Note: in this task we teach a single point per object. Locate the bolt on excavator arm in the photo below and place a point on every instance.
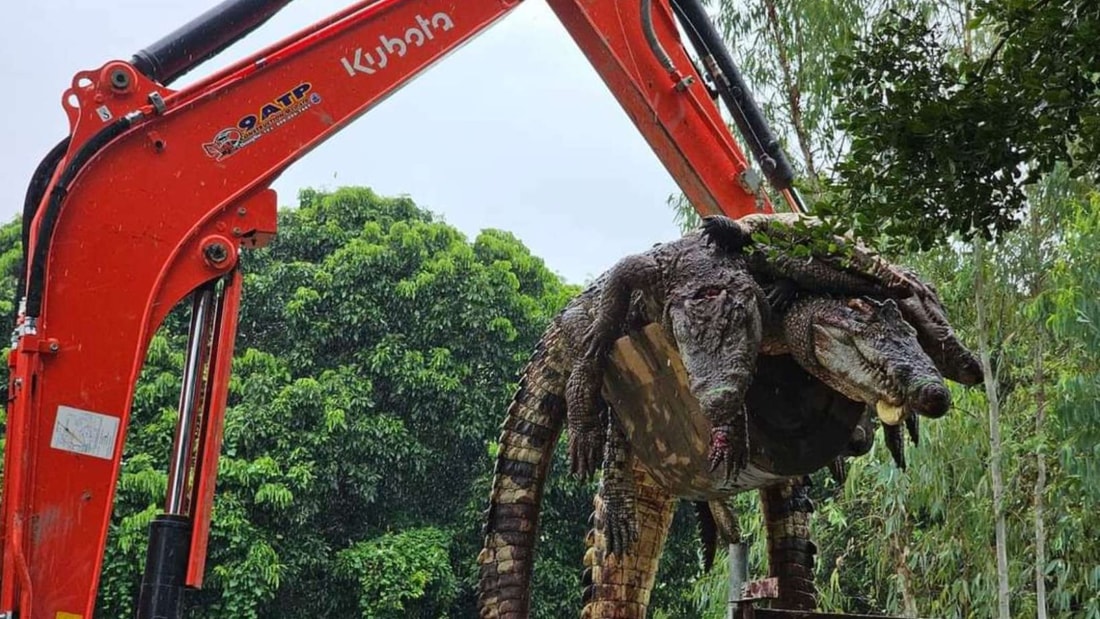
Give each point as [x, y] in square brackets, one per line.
[155, 191]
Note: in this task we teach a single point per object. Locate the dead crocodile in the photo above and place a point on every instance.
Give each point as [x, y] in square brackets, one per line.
[534, 420]
[782, 390]
[709, 299]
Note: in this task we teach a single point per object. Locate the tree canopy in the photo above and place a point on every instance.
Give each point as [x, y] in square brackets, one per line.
[947, 126]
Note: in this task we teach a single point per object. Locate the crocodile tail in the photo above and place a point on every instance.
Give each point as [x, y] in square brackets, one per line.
[787, 514]
[528, 437]
[621, 587]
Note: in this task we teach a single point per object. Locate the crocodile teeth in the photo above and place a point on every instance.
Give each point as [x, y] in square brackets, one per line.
[889, 414]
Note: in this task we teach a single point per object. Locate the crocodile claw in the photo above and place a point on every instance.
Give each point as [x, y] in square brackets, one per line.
[912, 424]
[595, 344]
[726, 233]
[620, 529]
[781, 294]
[723, 450]
[585, 449]
[896, 444]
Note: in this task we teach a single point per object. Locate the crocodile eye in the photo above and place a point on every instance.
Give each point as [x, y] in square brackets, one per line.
[708, 293]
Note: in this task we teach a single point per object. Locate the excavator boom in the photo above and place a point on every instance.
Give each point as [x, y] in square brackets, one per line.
[155, 191]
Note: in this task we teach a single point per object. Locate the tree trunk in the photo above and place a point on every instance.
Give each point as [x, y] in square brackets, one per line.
[1040, 487]
[793, 90]
[992, 395]
[902, 571]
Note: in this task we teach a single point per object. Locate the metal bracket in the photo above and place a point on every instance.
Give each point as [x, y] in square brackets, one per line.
[159, 106]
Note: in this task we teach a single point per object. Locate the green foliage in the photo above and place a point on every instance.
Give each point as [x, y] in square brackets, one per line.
[951, 119]
[1073, 315]
[930, 528]
[785, 48]
[400, 574]
[377, 352]
[943, 139]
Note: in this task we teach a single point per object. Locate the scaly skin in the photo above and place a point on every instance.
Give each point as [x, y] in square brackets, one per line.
[616, 586]
[919, 301]
[860, 272]
[788, 512]
[715, 310]
[530, 432]
[927, 314]
[620, 588]
[709, 298]
[862, 349]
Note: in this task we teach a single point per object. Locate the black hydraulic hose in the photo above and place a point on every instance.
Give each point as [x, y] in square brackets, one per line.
[35, 190]
[203, 38]
[53, 208]
[736, 95]
[692, 33]
[651, 37]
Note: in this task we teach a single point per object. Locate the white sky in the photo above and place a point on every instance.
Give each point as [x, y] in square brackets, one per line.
[514, 131]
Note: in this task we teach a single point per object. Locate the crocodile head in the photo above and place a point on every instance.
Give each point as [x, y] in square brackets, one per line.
[867, 351]
[925, 311]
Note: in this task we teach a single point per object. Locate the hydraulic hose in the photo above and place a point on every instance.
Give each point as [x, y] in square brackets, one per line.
[651, 37]
[735, 94]
[37, 272]
[35, 190]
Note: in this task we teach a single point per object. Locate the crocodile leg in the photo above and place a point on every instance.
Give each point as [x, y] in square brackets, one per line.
[787, 512]
[718, 332]
[717, 523]
[586, 433]
[529, 435]
[619, 587]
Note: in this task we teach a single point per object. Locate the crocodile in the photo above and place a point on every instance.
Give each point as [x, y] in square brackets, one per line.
[781, 388]
[703, 288]
[562, 376]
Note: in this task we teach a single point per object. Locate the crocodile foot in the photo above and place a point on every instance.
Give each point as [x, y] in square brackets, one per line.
[725, 233]
[585, 451]
[620, 527]
[727, 448]
[781, 294]
[895, 442]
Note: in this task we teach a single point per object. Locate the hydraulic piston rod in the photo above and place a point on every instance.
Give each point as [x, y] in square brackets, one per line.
[179, 465]
[169, 548]
[737, 96]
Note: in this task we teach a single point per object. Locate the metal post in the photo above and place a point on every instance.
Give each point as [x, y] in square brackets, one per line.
[739, 575]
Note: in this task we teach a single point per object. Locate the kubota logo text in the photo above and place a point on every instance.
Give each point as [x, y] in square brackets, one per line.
[371, 61]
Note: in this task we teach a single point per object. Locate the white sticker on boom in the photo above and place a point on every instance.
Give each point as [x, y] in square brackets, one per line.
[83, 432]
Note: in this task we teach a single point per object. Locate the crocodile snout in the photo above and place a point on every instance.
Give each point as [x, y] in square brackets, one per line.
[931, 400]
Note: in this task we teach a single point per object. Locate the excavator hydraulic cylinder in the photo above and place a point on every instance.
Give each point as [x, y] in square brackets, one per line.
[203, 38]
[162, 586]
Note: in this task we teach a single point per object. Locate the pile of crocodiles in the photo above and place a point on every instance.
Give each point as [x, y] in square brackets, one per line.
[789, 362]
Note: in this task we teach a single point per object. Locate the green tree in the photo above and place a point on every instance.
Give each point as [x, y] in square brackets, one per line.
[957, 122]
[944, 137]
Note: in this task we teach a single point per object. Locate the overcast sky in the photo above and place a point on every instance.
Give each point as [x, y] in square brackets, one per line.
[514, 131]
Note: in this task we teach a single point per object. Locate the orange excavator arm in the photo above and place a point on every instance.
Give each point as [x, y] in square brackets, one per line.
[150, 199]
